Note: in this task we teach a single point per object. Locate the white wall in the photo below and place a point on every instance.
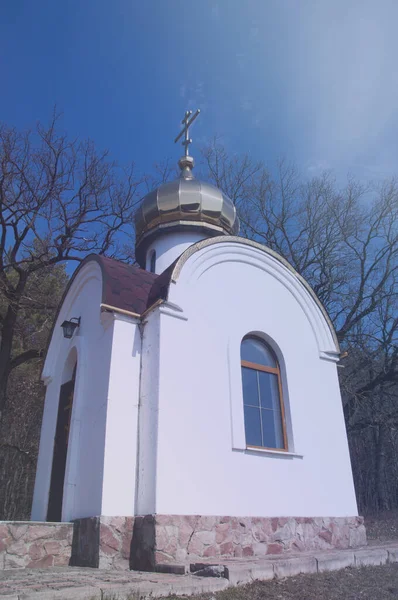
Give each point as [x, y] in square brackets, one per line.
[100, 469]
[202, 467]
[157, 424]
[148, 416]
[169, 247]
[121, 437]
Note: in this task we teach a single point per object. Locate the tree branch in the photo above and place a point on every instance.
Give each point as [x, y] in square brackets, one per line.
[26, 356]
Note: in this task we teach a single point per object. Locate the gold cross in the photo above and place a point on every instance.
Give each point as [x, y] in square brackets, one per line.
[187, 122]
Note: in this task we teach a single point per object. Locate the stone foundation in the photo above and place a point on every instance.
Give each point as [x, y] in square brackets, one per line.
[29, 544]
[160, 539]
[146, 543]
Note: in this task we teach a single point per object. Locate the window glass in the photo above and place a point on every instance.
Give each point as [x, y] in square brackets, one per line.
[153, 261]
[278, 429]
[268, 426]
[255, 351]
[272, 429]
[269, 392]
[250, 387]
[253, 426]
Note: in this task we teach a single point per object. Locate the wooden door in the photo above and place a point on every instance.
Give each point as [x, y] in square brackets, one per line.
[54, 511]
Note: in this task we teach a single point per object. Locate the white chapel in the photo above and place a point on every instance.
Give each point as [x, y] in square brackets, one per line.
[197, 392]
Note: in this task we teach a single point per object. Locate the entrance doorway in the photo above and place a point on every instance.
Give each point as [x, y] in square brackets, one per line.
[54, 511]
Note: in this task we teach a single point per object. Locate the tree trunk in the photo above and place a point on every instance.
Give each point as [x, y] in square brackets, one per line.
[382, 440]
[7, 336]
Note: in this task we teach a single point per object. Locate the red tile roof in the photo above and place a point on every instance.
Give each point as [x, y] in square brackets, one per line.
[128, 287]
[124, 286]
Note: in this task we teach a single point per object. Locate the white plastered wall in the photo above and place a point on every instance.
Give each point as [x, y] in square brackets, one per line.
[169, 246]
[100, 469]
[121, 438]
[148, 416]
[224, 292]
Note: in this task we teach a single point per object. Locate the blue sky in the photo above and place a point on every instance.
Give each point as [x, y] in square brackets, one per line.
[315, 81]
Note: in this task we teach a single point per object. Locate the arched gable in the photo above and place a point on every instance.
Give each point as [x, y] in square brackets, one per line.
[204, 255]
[87, 272]
[123, 288]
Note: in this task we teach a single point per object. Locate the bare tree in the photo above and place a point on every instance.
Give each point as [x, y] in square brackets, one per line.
[59, 200]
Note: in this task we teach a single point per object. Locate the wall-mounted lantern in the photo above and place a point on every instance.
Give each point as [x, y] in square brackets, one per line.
[70, 326]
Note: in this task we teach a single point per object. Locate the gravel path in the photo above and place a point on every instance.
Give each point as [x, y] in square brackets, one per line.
[75, 583]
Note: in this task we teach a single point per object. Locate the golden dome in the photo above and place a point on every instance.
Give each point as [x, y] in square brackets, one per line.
[181, 205]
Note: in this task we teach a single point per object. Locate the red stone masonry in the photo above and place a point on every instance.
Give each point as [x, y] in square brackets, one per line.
[161, 539]
[35, 545]
[144, 543]
[115, 541]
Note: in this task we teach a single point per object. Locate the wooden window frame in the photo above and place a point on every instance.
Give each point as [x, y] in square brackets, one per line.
[276, 371]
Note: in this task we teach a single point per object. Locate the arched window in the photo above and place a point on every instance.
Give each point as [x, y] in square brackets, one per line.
[152, 264]
[262, 396]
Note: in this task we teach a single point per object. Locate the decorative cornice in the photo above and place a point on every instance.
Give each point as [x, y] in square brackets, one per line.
[115, 309]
